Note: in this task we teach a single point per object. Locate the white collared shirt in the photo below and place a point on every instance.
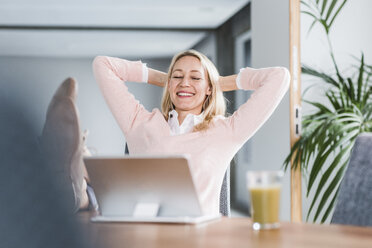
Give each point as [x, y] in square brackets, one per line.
[187, 125]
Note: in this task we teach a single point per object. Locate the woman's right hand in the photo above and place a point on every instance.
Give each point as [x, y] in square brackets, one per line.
[157, 78]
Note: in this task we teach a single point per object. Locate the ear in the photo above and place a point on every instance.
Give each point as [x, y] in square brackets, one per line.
[209, 90]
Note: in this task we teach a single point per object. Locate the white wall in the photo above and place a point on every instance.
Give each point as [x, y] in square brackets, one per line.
[270, 47]
[350, 35]
[36, 80]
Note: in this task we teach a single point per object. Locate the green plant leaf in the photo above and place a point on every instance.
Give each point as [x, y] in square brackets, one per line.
[367, 111]
[331, 187]
[311, 14]
[320, 106]
[324, 23]
[366, 97]
[316, 169]
[340, 156]
[343, 99]
[323, 7]
[325, 151]
[360, 79]
[310, 71]
[330, 207]
[329, 11]
[337, 12]
[350, 128]
[352, 90]
[311, 26]
[305, 3]
[295, 151]
[333, 100]
[308, 5]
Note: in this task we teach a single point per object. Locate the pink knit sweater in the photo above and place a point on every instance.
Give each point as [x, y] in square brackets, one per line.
[210, 151]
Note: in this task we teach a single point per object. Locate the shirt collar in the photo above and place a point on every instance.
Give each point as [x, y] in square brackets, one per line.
[187, 125]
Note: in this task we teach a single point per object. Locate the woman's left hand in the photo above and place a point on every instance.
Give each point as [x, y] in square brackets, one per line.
[228, 83]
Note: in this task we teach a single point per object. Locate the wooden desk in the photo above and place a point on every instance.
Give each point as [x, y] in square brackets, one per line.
[226, 232]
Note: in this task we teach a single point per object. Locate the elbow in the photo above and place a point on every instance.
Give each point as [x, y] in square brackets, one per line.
[99, 61]
[285, 77]
[99, 64]
[99, 58]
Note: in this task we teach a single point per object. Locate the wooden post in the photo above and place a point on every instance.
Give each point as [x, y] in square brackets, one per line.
[295, 105]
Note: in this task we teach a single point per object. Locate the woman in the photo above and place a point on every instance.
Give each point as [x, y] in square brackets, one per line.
[192, 117]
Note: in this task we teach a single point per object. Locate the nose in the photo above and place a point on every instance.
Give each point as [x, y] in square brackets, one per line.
[185, 82]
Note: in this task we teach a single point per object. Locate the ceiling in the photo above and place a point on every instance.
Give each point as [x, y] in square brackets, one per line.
[85, 28]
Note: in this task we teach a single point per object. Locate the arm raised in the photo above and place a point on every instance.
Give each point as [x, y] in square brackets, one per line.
[111, 75]
[269, 86]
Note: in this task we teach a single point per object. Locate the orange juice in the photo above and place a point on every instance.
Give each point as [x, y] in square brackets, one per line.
[265, 202]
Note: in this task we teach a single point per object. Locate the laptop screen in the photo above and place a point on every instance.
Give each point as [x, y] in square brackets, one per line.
[139, 185]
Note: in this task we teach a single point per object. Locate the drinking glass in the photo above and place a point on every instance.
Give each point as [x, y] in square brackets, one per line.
[264, 188]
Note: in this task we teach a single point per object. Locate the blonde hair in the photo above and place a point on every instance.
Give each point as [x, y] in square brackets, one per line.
[214, 103]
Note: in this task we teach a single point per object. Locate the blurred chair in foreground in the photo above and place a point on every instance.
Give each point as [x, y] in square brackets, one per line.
[354, 202]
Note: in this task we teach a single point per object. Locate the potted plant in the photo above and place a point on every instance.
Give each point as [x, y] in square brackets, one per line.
[329, 133]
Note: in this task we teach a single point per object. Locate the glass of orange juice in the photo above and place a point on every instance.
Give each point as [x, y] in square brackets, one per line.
[264, 188]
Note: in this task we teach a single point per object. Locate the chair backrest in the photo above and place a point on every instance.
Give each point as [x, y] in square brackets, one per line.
[354, 201]
[224, 194]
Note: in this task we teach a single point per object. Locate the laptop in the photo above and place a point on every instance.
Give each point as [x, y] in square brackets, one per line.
[145, 189]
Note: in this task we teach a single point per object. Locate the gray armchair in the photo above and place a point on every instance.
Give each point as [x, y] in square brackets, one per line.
[354, 202]
[225, 194]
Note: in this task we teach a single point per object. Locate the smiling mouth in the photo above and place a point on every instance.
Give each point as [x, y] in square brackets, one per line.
[184, 94]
